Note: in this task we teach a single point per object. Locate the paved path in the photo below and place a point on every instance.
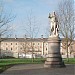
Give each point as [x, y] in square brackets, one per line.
[38, 69]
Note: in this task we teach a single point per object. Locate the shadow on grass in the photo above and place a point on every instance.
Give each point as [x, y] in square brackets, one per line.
[4, 67]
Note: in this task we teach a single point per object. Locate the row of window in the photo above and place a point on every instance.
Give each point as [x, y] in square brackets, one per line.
[16, 43]
[38, 43]
[10, 48]
[16, 48]
[11, 43]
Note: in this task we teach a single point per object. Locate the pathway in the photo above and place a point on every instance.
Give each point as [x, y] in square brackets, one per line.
[38, 69]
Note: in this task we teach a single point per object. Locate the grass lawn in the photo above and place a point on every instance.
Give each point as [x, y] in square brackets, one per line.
[71, 61]
[6, 63]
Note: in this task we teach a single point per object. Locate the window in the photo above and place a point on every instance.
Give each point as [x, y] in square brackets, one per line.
[16, 47]
[11, 43]
[38, 43]
[11, 49]
[21, 48]
[6, 43]
[46, 49]
[33, 43]
[6, 48]
[28, 44]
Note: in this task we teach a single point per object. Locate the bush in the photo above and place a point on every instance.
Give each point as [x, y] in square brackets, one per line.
[7, 57]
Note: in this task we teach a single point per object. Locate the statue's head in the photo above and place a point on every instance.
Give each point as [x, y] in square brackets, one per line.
[53, 13]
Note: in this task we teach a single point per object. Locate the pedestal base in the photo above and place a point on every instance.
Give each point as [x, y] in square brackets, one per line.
[54, 62]
[54, 58]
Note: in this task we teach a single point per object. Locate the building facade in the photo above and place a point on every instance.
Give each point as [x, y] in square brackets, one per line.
[20, 47]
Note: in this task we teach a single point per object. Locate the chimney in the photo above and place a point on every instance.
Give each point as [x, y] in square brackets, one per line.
[25, 37]
[15, 36]
[41, 36]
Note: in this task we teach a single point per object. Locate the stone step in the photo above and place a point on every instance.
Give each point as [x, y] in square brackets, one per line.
[53, 66]
[52, 63]
[54, 59]
[53, 55]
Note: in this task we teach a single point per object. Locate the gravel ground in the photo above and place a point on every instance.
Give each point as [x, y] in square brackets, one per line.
[38, 69]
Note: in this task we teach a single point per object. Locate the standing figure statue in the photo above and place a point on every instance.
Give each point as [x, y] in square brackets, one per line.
[54, 24]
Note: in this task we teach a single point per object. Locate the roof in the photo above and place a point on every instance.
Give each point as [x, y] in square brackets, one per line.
[23, 39]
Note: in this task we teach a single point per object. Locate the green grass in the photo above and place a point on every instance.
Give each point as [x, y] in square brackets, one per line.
[6, 63]
[71, 61]
[20, 61]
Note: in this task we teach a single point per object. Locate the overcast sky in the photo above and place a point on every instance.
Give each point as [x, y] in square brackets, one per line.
[21, 8]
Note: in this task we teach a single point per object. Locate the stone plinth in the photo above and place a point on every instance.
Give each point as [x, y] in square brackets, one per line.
[54, 58]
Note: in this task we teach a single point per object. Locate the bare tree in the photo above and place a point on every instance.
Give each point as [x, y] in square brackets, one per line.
[25, 47]
[66, 22]
[31, 30]
[5, 19]
[48, 32]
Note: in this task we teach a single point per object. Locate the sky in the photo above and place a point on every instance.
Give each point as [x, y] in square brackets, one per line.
[21, 8]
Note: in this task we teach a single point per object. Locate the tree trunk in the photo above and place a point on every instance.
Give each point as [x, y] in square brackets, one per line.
[0, 49]
[32, 51]
[67, 51]
[32, 55]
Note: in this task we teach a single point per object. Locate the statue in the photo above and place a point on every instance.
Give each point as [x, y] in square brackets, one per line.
[54, 24]
[53, 58]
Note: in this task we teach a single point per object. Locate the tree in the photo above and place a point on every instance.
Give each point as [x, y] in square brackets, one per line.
[5, 19]
[25, 47]
[31, 30]
[66, 22]
[48, 32]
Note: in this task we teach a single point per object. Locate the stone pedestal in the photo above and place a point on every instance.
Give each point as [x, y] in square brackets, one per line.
[54, 58]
